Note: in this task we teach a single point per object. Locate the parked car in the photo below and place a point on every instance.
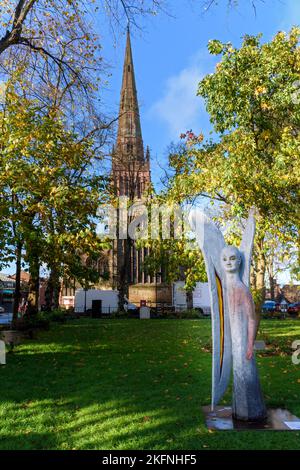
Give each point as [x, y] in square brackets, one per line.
[129, 307]
[294, 309]
[269, 306]
[5, 318]
[283, 306]
[2, 310]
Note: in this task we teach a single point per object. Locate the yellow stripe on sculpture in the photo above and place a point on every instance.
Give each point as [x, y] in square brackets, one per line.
[221, 313]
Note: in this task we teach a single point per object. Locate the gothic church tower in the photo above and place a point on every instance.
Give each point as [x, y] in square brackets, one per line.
[131, 177]
[130, 164]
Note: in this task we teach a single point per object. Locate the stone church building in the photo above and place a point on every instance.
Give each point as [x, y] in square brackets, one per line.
[131, 177]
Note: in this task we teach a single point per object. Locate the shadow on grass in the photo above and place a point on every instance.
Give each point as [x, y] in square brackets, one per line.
[99, 387]
[116, 385]
[29, 441]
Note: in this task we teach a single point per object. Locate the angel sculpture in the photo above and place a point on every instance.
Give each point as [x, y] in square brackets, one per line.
[234, 323]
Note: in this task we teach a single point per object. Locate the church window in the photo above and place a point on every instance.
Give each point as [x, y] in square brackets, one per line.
[103, 267]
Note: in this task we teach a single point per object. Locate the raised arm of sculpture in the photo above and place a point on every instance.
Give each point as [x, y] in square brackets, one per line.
[246, 247]
[211, 243]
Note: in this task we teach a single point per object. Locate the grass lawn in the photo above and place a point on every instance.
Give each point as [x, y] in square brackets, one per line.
[131, 384]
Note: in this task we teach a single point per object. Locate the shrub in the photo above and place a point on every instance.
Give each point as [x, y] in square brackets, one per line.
[58, 315]
[190, 314]
[38, 321]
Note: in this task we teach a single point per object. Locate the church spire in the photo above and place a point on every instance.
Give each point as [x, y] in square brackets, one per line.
[129, 140]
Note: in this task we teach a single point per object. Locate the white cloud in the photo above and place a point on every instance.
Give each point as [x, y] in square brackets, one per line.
[179, 107]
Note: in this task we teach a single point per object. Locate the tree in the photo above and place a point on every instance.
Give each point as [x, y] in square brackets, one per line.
[252, 99]
[53, 47]
[59, 31]
[49, 37]
[171, 251]
[49, 196]
[49, 51]
[176, 260]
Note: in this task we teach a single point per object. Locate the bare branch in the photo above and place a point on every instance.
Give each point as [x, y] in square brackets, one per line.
[22, 11]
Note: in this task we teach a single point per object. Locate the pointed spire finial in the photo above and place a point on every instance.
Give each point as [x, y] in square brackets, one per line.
[147, 154]
[129, 130]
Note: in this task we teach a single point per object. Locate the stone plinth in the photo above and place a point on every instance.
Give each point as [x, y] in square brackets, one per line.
[144, 313]
[152, 293]
[277, 420]
[2, 353]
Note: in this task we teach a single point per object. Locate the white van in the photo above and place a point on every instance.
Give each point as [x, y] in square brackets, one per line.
[201, 298]
[99, 302]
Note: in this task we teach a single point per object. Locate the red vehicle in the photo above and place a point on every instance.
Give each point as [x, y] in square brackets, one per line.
[294, 309]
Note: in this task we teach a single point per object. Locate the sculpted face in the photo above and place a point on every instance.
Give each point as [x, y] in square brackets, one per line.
[231, 259]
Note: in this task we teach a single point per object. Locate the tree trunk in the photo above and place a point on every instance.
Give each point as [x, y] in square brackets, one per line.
[260, 282]
[56, 291]
[52, 290]
[49, 294]
[261, 271]
[17, 294]
[34, 287]
[272, 287]
[189, 299]
[123, 262]
[253, 278]
[123, 270]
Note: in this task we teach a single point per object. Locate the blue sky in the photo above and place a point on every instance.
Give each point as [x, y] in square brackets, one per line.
[171, 57]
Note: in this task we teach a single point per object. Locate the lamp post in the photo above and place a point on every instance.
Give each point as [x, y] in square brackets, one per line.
[85, 290]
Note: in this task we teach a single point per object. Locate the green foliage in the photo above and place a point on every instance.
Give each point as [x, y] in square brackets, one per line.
[57, 315]
[38, 321]
[176, 259]
[254, 161]
[252, 102]
[174, 254]
[49, 197]
[191, 314]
